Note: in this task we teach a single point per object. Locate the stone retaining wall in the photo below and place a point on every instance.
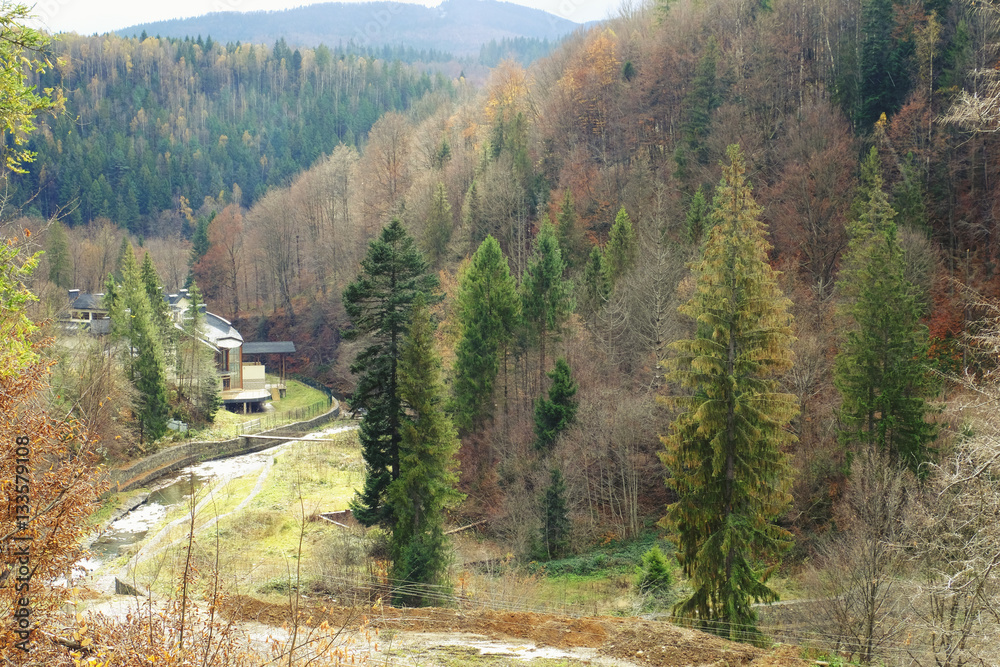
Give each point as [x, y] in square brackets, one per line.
[171, 459]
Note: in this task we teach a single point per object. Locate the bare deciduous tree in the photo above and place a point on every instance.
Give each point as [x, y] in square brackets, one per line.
[862, 602]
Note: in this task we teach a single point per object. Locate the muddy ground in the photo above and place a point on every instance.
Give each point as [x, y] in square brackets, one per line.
[623, 640]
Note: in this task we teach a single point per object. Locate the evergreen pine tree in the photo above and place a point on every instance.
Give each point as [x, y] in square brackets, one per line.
[881, 370]
[619, 256]
[883, 75]
[488, 313]
[555, 518]
[199, 241]
[57, 253]
[197, 377]
[474, 220]
[571, 241]
[124, 249]
[699, 103]
[378, 302]
[546, 300]
[655, 577]
[428, 475]
[697, 217]
[157, 302]
[724, 450]
[595, 283]
[437, 232]
[132, 319]
[554, 414]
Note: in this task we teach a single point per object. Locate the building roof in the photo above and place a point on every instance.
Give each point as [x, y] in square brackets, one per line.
[84, 301]
[220, 332]
[217, 331]
[277, 347]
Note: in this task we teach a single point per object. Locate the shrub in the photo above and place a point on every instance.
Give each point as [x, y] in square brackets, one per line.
[654, 577]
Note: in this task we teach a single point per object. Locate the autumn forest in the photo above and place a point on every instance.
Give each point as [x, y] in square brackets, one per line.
[725, 271]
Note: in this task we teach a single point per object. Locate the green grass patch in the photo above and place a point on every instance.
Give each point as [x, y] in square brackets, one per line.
[260, 543]
[297, 395]
[615, 557]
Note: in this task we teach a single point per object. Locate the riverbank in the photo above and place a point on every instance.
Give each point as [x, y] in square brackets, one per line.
[147, 470]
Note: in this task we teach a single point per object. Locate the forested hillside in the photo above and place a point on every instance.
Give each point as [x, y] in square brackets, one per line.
[456, 26]
[787, 203]
[149, 122]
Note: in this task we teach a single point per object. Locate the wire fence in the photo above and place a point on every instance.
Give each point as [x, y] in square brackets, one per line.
[267, 422]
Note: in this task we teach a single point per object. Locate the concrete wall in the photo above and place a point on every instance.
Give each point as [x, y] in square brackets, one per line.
[168, 460]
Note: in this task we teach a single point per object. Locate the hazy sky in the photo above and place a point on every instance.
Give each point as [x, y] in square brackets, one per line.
[90, 16]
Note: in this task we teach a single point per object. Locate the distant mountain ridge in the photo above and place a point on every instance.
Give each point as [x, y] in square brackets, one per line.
[460, 27]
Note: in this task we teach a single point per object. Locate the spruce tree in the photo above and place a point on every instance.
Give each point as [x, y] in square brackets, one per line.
[555, 519]
[437, 232]
[428, 475]
[620, 254]
[489, 311]
[197, 377]
[200, 244]
[378, 302]
[881, 370]
[724, 450]
[546, 300]
[154, 290]
[124, 249]
[571, 240]
[595, 283]
[697, 217]
[474, 220]
[132, 320]
[57, 253]
[554, 414]
[700, 102]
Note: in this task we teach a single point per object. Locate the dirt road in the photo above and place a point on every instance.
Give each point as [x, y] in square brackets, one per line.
[623, 640]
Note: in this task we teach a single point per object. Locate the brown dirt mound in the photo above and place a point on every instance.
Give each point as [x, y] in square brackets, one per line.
[639, 641]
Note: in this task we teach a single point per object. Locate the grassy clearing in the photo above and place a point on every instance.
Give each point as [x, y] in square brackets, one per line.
[600, 581]
[258, 548]
[297, 395]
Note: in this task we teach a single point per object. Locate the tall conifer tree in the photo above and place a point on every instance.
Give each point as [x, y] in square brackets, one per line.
[555, 518]
[488, 312]
[881, 370]
[132, 319]
[545, 295]
[197, 377]
[554, 414]
[571, 239]
[724, 450]
[378, 302]
[428, 469]
[437, 232]
[158, 305]
[57, 253]
[595, 283]
[619, 256]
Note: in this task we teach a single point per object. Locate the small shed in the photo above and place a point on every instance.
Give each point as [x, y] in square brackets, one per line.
[280, 348]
